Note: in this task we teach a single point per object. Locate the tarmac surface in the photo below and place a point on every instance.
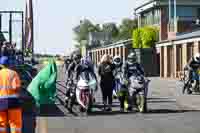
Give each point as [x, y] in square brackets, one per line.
[168, 112]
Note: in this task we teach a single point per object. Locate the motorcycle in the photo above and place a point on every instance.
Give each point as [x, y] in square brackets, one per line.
[86, 88]
[193, 84]
[138, 87]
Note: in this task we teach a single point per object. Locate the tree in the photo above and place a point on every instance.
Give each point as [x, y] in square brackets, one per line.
[149, 36]
[111, 28]
[82, 30]
[126, 28]
[137, 40]
[145, 37]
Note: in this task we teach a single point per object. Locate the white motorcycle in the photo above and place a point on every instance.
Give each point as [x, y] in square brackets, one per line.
[138, 89]
[86, 88]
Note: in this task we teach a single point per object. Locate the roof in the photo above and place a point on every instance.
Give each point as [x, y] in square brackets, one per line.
[188, 35]
[148, 4]
[144, 4]
[183, 36]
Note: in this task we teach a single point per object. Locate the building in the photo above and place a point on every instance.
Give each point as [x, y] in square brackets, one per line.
[156, 13]
[174, 54]
[178, 40]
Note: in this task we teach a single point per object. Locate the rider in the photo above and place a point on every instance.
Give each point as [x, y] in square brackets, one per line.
[67, 62]
[117, 61]
[71, 70]
[132, 67]
[192, 66]
[85, 66]
[118, 69]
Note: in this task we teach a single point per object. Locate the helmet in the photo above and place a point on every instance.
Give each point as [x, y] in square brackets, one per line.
[77, 57]
[117, 60]
[4, 60]
[132, 58]
[85, 61]
[197, 57]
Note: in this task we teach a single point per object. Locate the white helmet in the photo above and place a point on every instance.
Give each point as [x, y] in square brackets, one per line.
[117, 60]
[197, 57]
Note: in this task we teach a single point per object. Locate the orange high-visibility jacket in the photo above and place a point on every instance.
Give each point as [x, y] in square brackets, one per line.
[10, 85]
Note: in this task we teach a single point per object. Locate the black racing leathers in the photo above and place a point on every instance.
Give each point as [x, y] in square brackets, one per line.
[70, 75]
[83, 69]
[130, 69]
[192, 66]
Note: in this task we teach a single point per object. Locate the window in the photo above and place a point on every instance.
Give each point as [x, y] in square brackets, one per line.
[198, 12]
[184, 11]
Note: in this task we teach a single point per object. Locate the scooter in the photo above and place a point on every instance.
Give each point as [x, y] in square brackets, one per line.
[85, 90]
[138, 87]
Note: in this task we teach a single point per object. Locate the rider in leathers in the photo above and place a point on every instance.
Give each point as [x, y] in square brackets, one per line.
[85, 66]
[67, 62]
[131, 67]
[117, 72]
[192, 66]
[71, 71]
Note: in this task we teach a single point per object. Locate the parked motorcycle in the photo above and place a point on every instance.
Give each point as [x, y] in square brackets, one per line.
[85, 90]
[138, 87]
[193, 84]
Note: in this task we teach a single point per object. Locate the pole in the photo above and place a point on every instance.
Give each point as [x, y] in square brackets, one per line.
[10, 28]
[23, 35]
[32, 29]
[170, 13]
[175, 24]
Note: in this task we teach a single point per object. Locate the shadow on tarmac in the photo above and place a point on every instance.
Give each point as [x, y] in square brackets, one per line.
[167, 111]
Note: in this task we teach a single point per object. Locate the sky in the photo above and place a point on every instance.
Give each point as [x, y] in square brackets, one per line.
[55, 19]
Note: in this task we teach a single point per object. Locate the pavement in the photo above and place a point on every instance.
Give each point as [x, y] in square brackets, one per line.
[168, 112]
[174, 88]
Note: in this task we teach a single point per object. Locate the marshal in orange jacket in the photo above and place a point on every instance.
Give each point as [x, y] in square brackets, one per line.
[10, 86]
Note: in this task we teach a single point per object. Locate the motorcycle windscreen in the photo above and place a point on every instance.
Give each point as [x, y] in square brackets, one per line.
[90, 78]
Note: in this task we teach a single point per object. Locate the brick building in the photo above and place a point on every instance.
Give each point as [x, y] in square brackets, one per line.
[174, 54]
[156, 13]
[177, 39]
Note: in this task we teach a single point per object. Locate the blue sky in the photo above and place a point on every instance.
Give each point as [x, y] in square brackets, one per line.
[54, 19]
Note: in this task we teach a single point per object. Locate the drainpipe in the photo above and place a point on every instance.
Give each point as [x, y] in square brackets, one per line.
[169, 23]
[175, 23]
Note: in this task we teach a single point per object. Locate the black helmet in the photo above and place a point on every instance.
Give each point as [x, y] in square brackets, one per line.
[77, 57]
[132, 58]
